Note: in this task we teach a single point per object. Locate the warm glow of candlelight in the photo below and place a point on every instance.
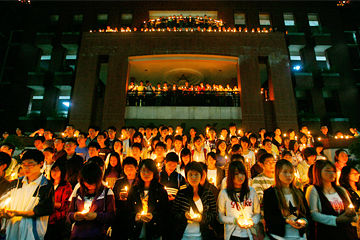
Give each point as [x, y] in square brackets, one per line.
[351, 206]
[126, 188]
[284, 134]
[245, 223]
[319, 138]
[7, 201]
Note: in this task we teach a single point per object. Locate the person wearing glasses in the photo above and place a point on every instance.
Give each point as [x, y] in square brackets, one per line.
[29, 201]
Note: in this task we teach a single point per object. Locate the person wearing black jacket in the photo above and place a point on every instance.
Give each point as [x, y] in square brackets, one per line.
[73, 162]
[149, 205]
[121, 189]
[286, 211]
[194, 207]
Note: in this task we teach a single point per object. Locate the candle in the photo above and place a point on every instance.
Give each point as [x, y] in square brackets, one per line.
[245, 223]
[126, 188]
[87, 206]
[7, 201]
[284, 134]
[301, 221]
[351, 206]
[319, 138]
[336, 137]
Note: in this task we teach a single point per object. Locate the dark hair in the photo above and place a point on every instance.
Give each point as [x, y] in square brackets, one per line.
[197, 138]
[94, 145]
[137, 145]
[94, 127]
[237, 157]
[265, 156]
[62, 168]
[91, 174]
[71, 140]
[172, 157]
[49, 149]
[235, 148]
[292, 144]
[193, 166]
[160, 144]
[285, 153]
[318, 167]
[129, 161]
[10, 146]
[34, 154]
[103, 134]
[149, 164]
[62, 140]
[5, 159]
[337, 153]
[344, 177]
[117, 168]
[311, 174]
[203, 166]
[211, 154]
[169, 137]
[296, 193]
[112, 128]
[41, 138]
[309, 151]
[266, 140]
[269, 134]
[178, 138]
[230, 189]
[98, 160]
[245, 139]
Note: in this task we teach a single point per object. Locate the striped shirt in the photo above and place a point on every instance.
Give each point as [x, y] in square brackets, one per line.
[261, 183]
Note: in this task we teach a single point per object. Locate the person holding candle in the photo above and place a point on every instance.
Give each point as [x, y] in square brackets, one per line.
[63, 191]
[185, 159]
[199, 151]
[248, 155]
[5, 161]
[286, 212]
[238, 204]
[30, 200]
[341, 158]
[92, 205]
[113, 169]
[303, 167]
[121, 189]
[149, 205]
[169, 178]
[329, 205]
[349, 179]
[215, 175]
[194, 207]
[221, 156]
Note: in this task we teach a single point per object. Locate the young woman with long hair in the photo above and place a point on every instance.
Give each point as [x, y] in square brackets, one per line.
[286, 212]
[113, 169]
[349, 179]
[237, 203]
[330, 204]
[149, 205]
[63, 191]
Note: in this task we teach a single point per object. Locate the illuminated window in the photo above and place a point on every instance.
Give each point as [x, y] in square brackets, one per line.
[102, 18]
[289, 19]
[264, 19]
[240, 18]
[313, 20]
[78, 18]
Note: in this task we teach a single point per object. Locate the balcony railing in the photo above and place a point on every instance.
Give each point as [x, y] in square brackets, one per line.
[180, 98]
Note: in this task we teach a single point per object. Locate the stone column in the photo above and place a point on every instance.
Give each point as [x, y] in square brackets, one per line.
[83, 93]
[250, 98]
[284, 99]
[115, 92]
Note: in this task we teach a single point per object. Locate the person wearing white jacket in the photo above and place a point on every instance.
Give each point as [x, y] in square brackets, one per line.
[238, 202]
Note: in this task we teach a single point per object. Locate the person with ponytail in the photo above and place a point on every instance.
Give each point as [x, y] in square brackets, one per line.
[286, 212]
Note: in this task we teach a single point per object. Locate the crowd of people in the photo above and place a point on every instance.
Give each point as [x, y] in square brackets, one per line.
[183, 95]
[183, 22]
[160, 183]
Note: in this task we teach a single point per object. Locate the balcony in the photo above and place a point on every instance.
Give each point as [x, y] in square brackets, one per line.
[36, 79]
[180, 98]
[331, 80]
[304, 80]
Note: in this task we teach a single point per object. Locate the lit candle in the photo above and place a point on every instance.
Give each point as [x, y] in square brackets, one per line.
[284, 134]
[87, 206]
[301, 221]
[351, 206]
[245, 223]
[319, 138]
[126, 188]
[336, 137]
[7, 201]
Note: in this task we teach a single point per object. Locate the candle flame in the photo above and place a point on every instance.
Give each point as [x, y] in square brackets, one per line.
[126, 188]
[7, 201]
[351, 205]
